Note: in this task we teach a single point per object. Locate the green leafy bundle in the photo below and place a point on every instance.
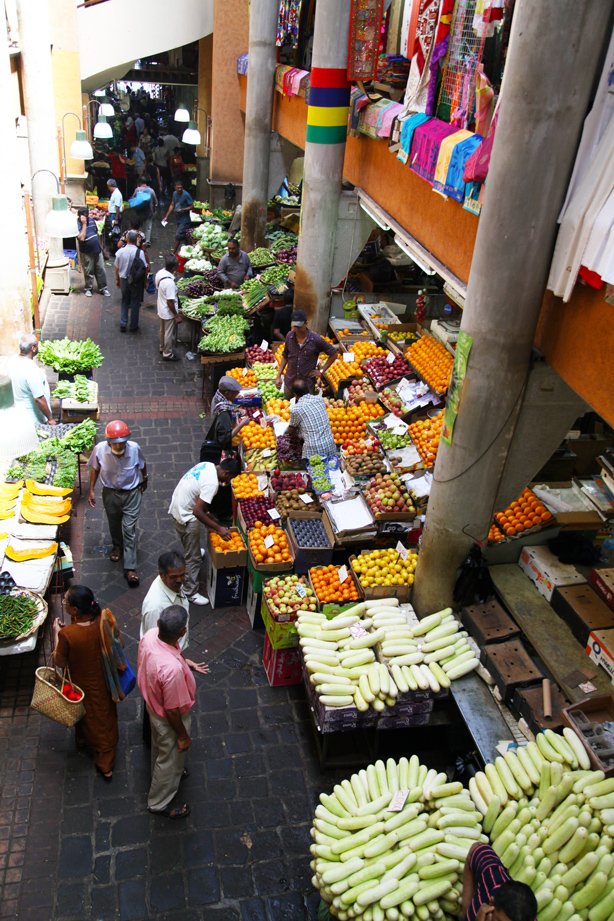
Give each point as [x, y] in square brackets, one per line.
[69, 356]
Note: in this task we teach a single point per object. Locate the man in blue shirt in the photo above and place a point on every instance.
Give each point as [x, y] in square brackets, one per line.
[181, 204]
[91, 254]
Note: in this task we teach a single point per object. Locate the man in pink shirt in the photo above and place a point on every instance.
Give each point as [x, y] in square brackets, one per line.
[168, 689]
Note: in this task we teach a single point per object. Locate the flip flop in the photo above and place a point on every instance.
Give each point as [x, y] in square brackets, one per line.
[131, 577]
[179, 812]
[115, 555]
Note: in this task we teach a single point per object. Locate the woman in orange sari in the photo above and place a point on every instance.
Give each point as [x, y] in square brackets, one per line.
[80, 646]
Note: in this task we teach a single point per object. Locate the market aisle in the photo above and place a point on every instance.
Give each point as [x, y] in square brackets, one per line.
[72, 846]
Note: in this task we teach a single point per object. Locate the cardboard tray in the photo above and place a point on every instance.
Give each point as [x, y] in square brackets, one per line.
[403, 592]
[597, 709]
[268, 567]
[281, 635]
[602, 581]
[226, 560]
[306, 558]
[488, 623]
[510, 666]
[529, 703]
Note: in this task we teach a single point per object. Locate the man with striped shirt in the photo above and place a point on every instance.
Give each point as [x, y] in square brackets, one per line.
[91, 254]
[490, 893]
[309, 420]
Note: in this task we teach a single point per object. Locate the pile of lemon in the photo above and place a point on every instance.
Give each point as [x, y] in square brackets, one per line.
[385, 567]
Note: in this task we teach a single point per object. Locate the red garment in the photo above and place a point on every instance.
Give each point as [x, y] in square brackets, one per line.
[591, 278]
[118, 170]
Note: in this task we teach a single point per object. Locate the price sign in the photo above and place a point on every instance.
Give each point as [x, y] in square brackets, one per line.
[280, 428]
[391, 422]
[399, 430]
[256, 414]
[264, 345]
[390, 357]
[343, 574]
[403, 383]
[402, 551]
[398, 801]
[269, 541]
[348, 357]
[273, 513]
[301, 591]
[292, 402]
[267, 452]
[357, 631]
[244, 372]
[263, 422]
[305, 498]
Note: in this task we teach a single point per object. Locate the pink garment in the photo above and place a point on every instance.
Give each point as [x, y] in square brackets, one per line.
[425, 147]
[163, 676]
[387, 119]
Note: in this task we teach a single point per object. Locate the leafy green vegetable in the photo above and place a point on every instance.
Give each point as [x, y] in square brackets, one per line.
[70, 356]
[226, 334]
[81, 438]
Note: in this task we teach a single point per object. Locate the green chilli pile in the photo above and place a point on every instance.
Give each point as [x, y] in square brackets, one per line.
[374, 864]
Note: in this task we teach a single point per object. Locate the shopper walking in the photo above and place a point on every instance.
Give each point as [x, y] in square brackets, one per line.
[90, 250]
[181, 204]
[130, 275]
[118, 171]
[160, 156]
[168, 308]
[116, 203]
[122, 469]
[30, 386]
[145, 211]
[300, 355]
[190, 507]
[168, 689]
[80, 647]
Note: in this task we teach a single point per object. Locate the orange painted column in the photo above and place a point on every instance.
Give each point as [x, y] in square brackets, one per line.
[230, 39]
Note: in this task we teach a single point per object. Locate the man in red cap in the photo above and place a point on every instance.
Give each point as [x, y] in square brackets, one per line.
[123, 473]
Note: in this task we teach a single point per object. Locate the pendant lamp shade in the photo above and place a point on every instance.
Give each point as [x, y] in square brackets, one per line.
[60, 222]
[182, 115]
[191, 135]
[102, 129]
[81, 149]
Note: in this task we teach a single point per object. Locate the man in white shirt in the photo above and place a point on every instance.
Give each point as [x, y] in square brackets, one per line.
[190, 506]
[132, 293]
[168, 308]
[30, 386]
[116, 203]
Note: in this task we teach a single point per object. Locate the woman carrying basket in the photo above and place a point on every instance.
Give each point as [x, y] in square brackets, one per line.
[90, 646]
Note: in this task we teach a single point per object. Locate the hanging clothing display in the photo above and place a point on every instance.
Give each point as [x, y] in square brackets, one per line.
[288, 22]
[488, 15]
[365, 31]
[446, 150]
[407, 134]
[425, 148]
[440, 49]
[417, 84]
[455, 184]
[476, 168]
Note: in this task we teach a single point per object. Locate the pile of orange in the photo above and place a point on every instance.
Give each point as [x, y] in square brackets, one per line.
[328, 587]
[254, 436]
[372, 410]
[364, 350]
[432, 360]
[245, 376]
[425, 434]
[226, 546]
[278, 552]
[495, 534]
[342, 371]
[279, 408]
[527, 512]
[245, 486]
[347, 424]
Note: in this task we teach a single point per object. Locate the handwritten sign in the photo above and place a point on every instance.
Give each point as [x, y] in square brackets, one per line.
[357, 631]
[343, 574]
[403, 383]
[390, 358]
[273, 513]
[269, 541]
[301, 591]
[264, 345]
[402, 551]
[348, 357]
[399, 430]
[267, 452]
[256, 414]
[305, 498]
[398, 801]
[244, 372]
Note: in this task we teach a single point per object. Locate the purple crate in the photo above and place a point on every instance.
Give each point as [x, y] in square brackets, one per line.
[407, 708]
[390, 721]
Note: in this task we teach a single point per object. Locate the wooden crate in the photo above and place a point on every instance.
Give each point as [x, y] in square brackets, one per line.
[488, 623]
[511, 667]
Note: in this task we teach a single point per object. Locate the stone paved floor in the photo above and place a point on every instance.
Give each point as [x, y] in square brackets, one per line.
[73, 847]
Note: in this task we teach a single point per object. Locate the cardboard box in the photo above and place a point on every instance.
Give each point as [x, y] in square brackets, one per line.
[281, 635]
[253, 604]
[402, 591]
[602, 581]
[582, 610]
[224, 587]
[269, 567]
[230, 560]
[545, 570]
[282, 666]
[337, 607]
[306, 558]
[600, 647]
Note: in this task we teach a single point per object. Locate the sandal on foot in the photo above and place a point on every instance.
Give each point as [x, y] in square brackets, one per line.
[115, 555]
[131, 577]
[179, 812]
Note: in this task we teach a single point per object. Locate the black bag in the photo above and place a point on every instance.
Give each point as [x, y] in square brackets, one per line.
[138, 271]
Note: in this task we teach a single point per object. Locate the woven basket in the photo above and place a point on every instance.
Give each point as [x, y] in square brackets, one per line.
[49, 700]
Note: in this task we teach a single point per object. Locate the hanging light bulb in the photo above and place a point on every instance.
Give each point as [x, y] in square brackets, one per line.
[182, 115]
[102, 129]
[81, 149]
[106, 108]
[60, 222]
[191, 135]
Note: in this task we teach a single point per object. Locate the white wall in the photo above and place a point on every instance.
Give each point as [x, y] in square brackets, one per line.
[114, 34]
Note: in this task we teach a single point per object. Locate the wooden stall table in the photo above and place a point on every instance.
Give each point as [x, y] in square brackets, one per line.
[209, 362]
[194, 328]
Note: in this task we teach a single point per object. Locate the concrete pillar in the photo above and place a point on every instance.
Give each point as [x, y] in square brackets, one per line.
[258, 120]
[35, 46]
[554, 52]
[205, 77]
[324, 153]
[15, 313]
[230, 39]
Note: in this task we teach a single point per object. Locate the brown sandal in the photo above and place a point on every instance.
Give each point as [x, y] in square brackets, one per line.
[131, 577]
[115, 555]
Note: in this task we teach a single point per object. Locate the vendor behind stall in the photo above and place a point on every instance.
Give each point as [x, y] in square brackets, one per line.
[234, 267]
[226, 425]
[309, 420]
[489, 892]
[300, 355]
[282, 320]
[30, 386]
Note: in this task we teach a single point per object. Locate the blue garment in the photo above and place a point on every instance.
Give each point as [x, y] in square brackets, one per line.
[139, 159]
[182, 200]
[455, 184]
[407, 134]
[91, 244]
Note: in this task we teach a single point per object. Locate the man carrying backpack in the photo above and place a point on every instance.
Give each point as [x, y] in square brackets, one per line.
[130, 275]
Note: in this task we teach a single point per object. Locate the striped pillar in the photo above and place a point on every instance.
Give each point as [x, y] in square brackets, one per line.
[327, 118]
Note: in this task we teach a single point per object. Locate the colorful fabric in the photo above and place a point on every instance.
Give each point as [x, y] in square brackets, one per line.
[425, 148]
[445, 155]
[242, 64]
[310, 417]
[280, 72]
[440, 49]
[328, 106]
[473, 197]
[484, 101]
[113, 656]
[407, 134]
[365, 31]
[476, 168]
[288, 22]
[455, 184]
[371, 116]
[489, 874]
[387, 118]
[358, 100]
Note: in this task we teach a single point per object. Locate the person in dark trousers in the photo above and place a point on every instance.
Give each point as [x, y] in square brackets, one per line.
[92, 259]
[130, 279]
[300, 355]
[282, 320]
[181, 204]
[489, 892]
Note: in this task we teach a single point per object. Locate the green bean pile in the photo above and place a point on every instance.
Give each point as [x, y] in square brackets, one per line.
[17, 613]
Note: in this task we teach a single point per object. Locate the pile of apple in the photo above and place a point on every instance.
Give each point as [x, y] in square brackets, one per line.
[388, 495]
[284, 601]
[383, 372]
[358, 389]
[254, 353]
[281, 481]
[393, 401]
[330, 403]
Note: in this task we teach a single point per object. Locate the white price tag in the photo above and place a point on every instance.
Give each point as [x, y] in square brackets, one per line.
[280, 428]
[357, 631]
[267, 452]
[264, 345]
[399, 430]
[391, 422]
[390, 357]
[244, 372]
[269, 541]
[256, 414]
[348, 357]
[403, 383]
[343, 573]
[274, 514]
[292, 402]
[398, 801]
[402, 551]
[301, 591]
[263, 422]
[305, 498]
